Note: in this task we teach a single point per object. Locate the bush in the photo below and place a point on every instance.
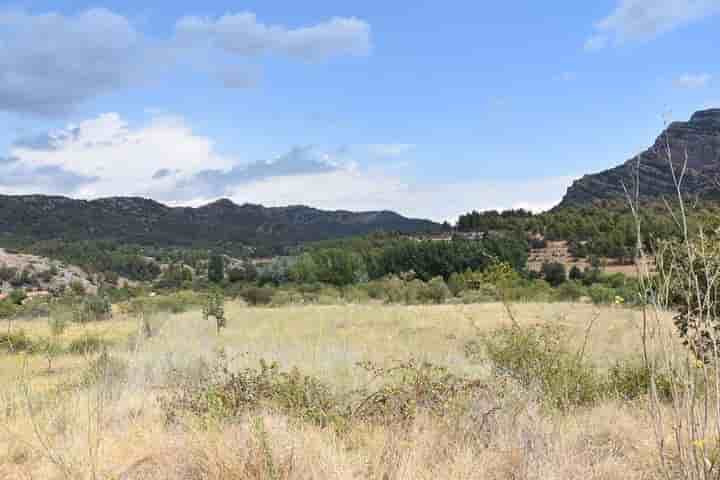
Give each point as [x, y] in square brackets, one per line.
[17, 341]
[92, 308]
[355, 294]
[226, 394]
[405, 390]
[536, 357]
[258, 295]
[435, 291]
[87, 344]
[631, 380]
[554, 273]
[77, 288]
[245, 273]
[601, 294]
[216, 268]
[408, 388]
[457, 283]
[575, 273]
[7, 273]
[17, 296]
[571, 291]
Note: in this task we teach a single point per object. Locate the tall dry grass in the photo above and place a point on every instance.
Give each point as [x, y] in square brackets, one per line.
[114, 427]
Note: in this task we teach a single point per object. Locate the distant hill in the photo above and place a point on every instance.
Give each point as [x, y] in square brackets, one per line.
[699, 137]
[147, 222]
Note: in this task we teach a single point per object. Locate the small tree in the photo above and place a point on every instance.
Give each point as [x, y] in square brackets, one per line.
[52, 346]
[554, 273]
[215, 307]
[258, 295]
[575, 273]
[436, 291]
[457, 283]
[216, 268]
[7, 311]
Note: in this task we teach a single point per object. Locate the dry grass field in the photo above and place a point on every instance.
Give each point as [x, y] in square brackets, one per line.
[54, 427]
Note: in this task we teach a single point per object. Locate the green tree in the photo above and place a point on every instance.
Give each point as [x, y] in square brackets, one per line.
[52, 346]
[575, 273]
[216, 268]
[554, 273]
[305, 270]
[339, 267]
[457, 283]
[215, 307]
[436, 291]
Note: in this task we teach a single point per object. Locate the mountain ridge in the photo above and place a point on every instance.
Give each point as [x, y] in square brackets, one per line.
[147, 221]
[698, 138]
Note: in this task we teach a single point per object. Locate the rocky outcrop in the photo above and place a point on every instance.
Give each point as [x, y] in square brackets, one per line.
[697, 141]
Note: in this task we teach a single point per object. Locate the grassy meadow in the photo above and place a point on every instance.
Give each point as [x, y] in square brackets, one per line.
[58, 424]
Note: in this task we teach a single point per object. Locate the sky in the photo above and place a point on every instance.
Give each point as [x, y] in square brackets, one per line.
[427, 108]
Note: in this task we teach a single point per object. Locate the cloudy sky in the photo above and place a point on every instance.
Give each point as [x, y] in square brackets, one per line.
[428, 108]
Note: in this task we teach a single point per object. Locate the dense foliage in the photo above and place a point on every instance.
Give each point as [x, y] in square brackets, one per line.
[357, 260]
[605, 230]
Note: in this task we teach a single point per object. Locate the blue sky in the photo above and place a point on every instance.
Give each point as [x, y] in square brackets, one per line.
[428, 108]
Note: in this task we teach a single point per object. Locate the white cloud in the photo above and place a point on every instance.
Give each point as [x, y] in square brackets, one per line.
[362, 190]
[241, 34]
[165, 160]
[121, 159]
[50, 62]
[646, 19]
[693, 81]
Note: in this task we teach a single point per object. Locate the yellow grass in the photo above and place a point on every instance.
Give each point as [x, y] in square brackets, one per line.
[82, 435]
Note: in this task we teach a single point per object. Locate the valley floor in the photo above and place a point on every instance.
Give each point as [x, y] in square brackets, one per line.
[56, 425]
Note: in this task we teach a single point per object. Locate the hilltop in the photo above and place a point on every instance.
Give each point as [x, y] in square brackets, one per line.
[699, 138]
[135, 220]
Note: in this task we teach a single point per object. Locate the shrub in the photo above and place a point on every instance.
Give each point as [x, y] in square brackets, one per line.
[7, 309]
[631, 380]
[287, 297]
[21, 278]
[7, 273]
[92, 308]
[16, 341]
[245, 273]
[436, 291]
[404, 390]
[226, 394]
[408, 388]
[355, 294]
[575, 273]
[216, 268]
[258, 295]
[17, 296]
[87, 344]
[537, 358]
[457, 283]
[554, 273]
[395, 291]
[601, 294]
[571, 290]
[77, 288]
